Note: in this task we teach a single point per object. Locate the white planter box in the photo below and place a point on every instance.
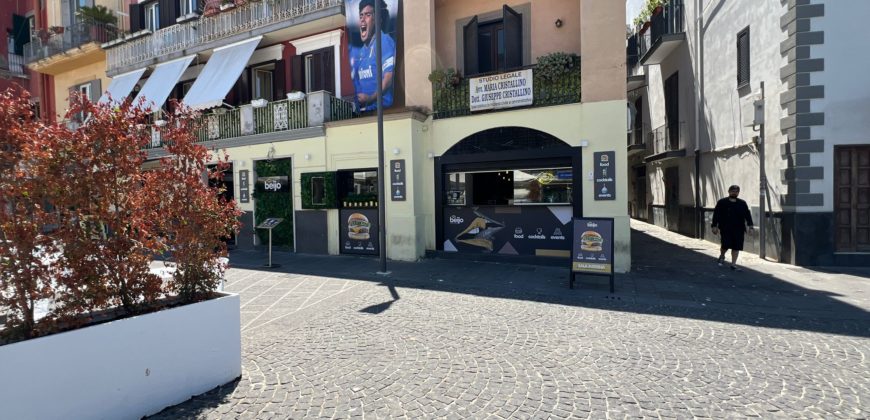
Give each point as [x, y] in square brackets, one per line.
[123, 369]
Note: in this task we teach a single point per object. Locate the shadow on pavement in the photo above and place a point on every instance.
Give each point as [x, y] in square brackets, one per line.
[199, 404]
[667, 279]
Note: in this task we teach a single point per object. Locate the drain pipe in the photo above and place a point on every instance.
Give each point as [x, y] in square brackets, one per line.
[699, 98]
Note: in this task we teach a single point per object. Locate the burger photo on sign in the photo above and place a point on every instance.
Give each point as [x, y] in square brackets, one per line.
[358, 227]
[591, 241]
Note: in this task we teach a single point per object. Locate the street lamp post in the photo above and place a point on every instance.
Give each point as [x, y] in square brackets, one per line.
[382, 204]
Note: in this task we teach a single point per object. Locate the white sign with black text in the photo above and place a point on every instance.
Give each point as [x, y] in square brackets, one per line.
[506, 90]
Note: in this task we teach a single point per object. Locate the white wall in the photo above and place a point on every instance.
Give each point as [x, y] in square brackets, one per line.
[736, 158]
[847, 91]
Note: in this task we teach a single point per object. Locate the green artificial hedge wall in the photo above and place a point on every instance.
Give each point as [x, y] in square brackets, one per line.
[274, 204]
[330, 190]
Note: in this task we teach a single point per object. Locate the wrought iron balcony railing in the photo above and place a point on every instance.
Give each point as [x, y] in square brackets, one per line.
[668, 138]
[235, 21]
[15, 65]
[670, 21]
[453, 101]
[49, 43]
[276, 116]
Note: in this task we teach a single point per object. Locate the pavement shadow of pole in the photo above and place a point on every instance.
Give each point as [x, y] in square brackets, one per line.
[383, 306]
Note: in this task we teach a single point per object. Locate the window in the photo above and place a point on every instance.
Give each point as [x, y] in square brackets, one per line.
[493, 45]
[152, 16]
[548, 186]
[84, 92]
[262, 84]
[743, 58]
[490, 47]
[314, 71]
[358, 188]
[188, 7]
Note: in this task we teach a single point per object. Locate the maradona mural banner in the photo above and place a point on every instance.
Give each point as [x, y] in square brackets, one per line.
[362, 53]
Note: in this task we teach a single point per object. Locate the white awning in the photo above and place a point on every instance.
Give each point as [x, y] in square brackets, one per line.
[121, 86]
[220, 74]
[160, 83]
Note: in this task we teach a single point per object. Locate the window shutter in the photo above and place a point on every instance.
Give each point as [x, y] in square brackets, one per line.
[137, 18]
[328, 69]
[168, 12]
[743, 57]
[278, 80]
[21, 33]
[513, 38]
[469, 40]
[297, 74]
[96, 90]
[66, 13]
[244, 87]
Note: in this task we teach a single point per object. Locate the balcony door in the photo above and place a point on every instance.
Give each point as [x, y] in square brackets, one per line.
[314, 71]
[672, 110]
[852, 198]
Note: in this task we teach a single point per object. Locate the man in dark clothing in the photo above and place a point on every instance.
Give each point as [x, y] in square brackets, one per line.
[731, 217]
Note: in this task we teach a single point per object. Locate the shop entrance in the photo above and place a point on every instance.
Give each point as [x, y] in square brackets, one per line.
[273, 197]
[508, 191]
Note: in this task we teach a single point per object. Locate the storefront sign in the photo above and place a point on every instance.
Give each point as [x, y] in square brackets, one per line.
[592, 246]
[358, 229]
[274, 183]
[605, 175]
[397, 180]
[244, 187]
[508, 230]
[506, 90]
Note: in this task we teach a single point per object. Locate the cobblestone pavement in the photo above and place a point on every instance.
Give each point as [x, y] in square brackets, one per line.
[472, 340]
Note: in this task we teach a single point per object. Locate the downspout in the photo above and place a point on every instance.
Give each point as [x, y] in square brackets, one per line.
[699, 98]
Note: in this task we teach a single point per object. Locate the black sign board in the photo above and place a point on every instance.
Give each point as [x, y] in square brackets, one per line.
[274, 183]
[508, 230]
[592, 248]
[605, 175]
[244, 187]
[358, 231]
[397, 180]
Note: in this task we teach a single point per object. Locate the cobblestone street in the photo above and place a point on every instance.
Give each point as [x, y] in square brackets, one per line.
[448, 339]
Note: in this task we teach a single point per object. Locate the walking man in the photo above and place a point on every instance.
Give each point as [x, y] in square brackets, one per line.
[731, 218]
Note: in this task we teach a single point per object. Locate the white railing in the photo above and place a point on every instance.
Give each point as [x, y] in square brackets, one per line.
[219, 25]
[16, 64]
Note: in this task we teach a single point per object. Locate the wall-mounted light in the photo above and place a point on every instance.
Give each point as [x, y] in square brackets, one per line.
[307, 156]
[396, 150]
[584, 143]
[430, 155]
[558, 23]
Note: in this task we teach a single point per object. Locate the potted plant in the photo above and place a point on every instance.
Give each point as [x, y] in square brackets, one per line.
[99, 20]
[84, 260]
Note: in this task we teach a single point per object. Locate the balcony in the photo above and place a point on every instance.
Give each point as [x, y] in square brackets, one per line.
[255, 18]
[666, 32]
[453, 101]
[637, 143]
[277, 120]
[667, 142]
[48, 44]
[13, 67]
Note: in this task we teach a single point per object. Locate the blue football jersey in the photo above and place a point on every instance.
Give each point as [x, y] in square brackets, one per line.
[362, 64]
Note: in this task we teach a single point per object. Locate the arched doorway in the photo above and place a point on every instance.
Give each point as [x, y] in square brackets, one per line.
[507, 192]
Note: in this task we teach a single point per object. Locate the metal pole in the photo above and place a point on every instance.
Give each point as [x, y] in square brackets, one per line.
[762, 190]
[382, 204]
[270, 247]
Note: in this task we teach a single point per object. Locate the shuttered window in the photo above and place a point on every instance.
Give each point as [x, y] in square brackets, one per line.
[495, 45]
[743, 58]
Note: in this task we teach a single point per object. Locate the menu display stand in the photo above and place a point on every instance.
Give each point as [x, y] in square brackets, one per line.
[592, 249]
[270, 224]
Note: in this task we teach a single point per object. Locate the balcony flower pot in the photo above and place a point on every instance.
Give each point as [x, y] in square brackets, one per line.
[657, 10]
[227, 6]
[125, 368]
[644, 27]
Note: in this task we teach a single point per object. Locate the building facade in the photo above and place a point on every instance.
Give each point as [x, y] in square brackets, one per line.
[489, 148]
[701, 121]
[22, 21]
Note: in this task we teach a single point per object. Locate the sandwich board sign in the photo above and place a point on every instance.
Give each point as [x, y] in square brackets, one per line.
[592, 248]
